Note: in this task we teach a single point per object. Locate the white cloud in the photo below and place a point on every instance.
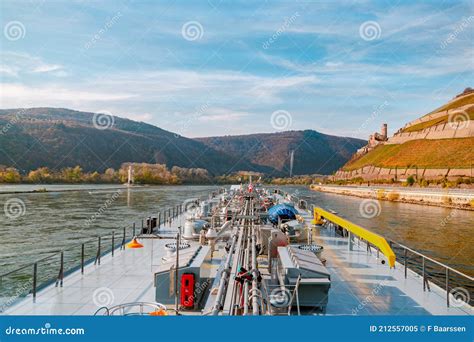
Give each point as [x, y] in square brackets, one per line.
[47, 68]
[222, 114]
[16, 95]
[16, 64]
[144, 117]
[169, 85]
[8, 71]
[456, 61]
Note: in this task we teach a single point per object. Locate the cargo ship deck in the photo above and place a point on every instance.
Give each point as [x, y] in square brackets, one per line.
[360, 283]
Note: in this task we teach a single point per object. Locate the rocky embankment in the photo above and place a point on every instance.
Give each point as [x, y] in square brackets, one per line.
[458, 199]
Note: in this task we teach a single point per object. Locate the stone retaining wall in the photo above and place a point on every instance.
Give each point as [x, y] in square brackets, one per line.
[374, 172]
[463, 129]
[437, 115]
[439, 198]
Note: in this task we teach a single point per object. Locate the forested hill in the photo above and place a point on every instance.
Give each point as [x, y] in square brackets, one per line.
[58, 138]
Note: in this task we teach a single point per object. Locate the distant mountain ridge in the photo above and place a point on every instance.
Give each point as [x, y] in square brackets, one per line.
[314, 152]
[58, 138]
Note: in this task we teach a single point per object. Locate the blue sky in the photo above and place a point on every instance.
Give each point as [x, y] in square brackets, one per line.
[341, 68]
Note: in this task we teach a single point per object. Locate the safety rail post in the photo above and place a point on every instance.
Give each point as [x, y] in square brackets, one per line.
[447, 287]
[62, 269]
[423, 268]
[35, 277]
[159, 220]
[405, 261]
[82, 258]
[97, 257]
[122, 246]
[173, 213]
[113, 242]
[134, 234]
[59, 279]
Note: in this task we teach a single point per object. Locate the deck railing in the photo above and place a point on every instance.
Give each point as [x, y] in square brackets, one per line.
[459, 286]
[55, 265]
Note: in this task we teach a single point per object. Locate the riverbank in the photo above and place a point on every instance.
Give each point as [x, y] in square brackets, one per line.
[45, 188]
[6, 189]
[456, 199]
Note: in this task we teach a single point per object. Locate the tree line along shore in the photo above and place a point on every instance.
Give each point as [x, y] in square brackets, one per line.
[160, 174]
[143, 173]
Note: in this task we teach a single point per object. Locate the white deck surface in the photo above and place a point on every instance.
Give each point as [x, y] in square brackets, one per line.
[360, 284]
[126, 277]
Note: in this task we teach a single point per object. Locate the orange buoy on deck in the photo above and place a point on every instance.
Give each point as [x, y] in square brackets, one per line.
[159, 312]
[134, 243]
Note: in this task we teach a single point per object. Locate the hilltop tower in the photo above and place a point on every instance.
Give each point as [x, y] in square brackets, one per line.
[384, 131]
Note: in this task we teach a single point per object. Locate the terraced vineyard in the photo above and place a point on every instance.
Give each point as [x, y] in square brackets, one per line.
[446, 150]
[438, 121]
[456, 103]
[443, 153]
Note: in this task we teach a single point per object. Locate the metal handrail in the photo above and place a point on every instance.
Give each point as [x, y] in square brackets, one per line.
[30, 264]
[392, 242]
[424, 273]
[141, 305]
[425, 258]
[56, 252]
[177, 210]
[433, 260]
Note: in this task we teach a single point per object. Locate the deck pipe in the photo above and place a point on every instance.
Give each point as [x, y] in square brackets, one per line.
[255, 289]
[225, 274]
[225, 277]
[246, 283]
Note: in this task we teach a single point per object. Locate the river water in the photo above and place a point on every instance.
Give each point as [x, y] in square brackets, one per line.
[65, 216]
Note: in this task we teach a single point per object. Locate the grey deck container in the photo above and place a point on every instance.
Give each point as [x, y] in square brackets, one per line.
[315, 279]
[196, 261]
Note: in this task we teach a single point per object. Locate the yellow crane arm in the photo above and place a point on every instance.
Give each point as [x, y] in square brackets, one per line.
[375, 239]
